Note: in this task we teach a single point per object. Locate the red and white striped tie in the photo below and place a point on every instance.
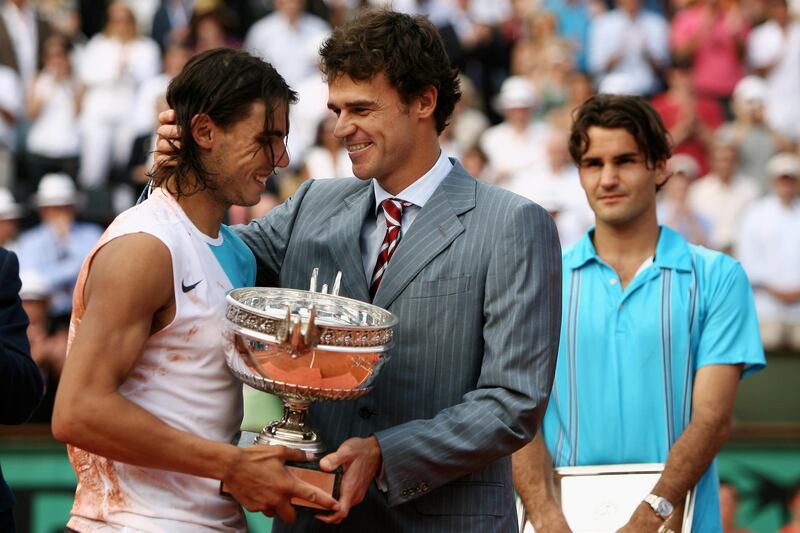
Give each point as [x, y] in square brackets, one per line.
[393, 213]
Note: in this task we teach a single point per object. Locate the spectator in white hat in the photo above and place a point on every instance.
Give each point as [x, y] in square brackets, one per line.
[769, 249]
[673, 207]
[57, 246]
[10, 213]
[517, 143]
[755, 140]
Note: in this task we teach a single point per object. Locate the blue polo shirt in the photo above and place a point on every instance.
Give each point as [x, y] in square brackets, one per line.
[627, 358]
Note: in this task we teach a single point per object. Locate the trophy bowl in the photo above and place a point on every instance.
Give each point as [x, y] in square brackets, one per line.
[304, 346]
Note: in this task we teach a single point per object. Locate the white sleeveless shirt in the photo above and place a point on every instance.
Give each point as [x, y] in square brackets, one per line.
[180, 377]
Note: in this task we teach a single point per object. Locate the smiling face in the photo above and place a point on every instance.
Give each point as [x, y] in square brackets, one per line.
[243, 156]
[621, 189]
[382, 134]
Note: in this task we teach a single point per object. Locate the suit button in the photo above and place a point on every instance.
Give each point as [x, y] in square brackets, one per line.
[423, 487]
[365, 412]
[404, 493]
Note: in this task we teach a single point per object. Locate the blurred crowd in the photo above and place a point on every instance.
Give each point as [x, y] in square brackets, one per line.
[82, 82]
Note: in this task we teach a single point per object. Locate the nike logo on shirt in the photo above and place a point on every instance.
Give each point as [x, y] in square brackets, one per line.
[187, 288]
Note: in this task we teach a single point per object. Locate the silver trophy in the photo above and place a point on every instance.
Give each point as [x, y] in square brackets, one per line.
[305, 346]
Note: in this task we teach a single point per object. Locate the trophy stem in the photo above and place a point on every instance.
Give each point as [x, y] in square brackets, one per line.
[292, 430]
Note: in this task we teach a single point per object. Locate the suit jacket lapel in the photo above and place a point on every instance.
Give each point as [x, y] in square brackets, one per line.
[435, 227]
[345, 241]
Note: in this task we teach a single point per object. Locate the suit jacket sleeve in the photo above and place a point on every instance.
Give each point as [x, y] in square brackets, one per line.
[21, 385]
[522, 320]
[268, 237]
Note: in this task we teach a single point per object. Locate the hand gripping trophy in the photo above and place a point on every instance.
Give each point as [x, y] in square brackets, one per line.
[305, 346]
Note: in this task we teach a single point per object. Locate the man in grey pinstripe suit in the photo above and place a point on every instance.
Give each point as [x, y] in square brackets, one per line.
[475, 281]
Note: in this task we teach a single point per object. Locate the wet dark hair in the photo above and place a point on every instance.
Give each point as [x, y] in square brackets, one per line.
[631, 113]
[408, 50]
[223, 84]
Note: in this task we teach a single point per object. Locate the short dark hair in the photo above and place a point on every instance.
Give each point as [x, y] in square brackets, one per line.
[223, 84]
[631, 113]
[408, 50]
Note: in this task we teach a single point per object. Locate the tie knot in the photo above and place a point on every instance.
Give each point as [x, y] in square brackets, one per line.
[393, 210]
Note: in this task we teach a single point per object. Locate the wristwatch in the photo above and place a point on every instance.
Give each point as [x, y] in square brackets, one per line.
[662, 507]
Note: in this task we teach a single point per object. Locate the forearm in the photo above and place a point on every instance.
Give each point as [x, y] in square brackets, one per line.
[112, 426]
[483, 438]
[35, 104]
[713, 399]
[533, 480]
[7, 116]
[690, 457]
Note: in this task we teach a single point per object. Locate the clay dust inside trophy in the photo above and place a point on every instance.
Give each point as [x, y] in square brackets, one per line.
[305, 346]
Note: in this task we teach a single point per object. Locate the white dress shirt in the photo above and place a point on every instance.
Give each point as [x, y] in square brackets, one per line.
[722, 205]
[143, 116]
[112, 71]
[769, 45]
[24, 34]
[320, 165]
[418, 194]
[292, 50]
[561, 194]
[616, 33]
[55, 132]
[305, 116]
[510, 151]
[768, 247]
[12, 101]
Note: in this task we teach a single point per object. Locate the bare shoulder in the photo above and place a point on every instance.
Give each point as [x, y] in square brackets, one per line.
[134, 269]
[128, 287]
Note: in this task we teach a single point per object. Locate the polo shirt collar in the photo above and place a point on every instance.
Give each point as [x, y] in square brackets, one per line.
[672, 251]
[583, 252]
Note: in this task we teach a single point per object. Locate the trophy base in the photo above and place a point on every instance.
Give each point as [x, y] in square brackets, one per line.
[308, 471]
[275, 436]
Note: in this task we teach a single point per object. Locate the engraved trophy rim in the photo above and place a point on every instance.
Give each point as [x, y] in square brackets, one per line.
[333, 336]
[294, 323]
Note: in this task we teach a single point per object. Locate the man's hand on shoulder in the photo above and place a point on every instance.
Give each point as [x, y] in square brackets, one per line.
[361, 459]
[169, 135]
[259, 481]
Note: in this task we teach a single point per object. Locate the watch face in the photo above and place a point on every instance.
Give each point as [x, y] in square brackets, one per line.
[664, 508]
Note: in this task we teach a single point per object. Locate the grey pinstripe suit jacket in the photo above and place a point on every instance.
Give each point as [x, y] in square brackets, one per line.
[476, 285]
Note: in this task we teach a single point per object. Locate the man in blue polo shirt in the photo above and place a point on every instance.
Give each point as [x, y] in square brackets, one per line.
[656, 334]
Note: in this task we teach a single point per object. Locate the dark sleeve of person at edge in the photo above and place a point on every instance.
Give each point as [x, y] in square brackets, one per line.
[21, 385]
